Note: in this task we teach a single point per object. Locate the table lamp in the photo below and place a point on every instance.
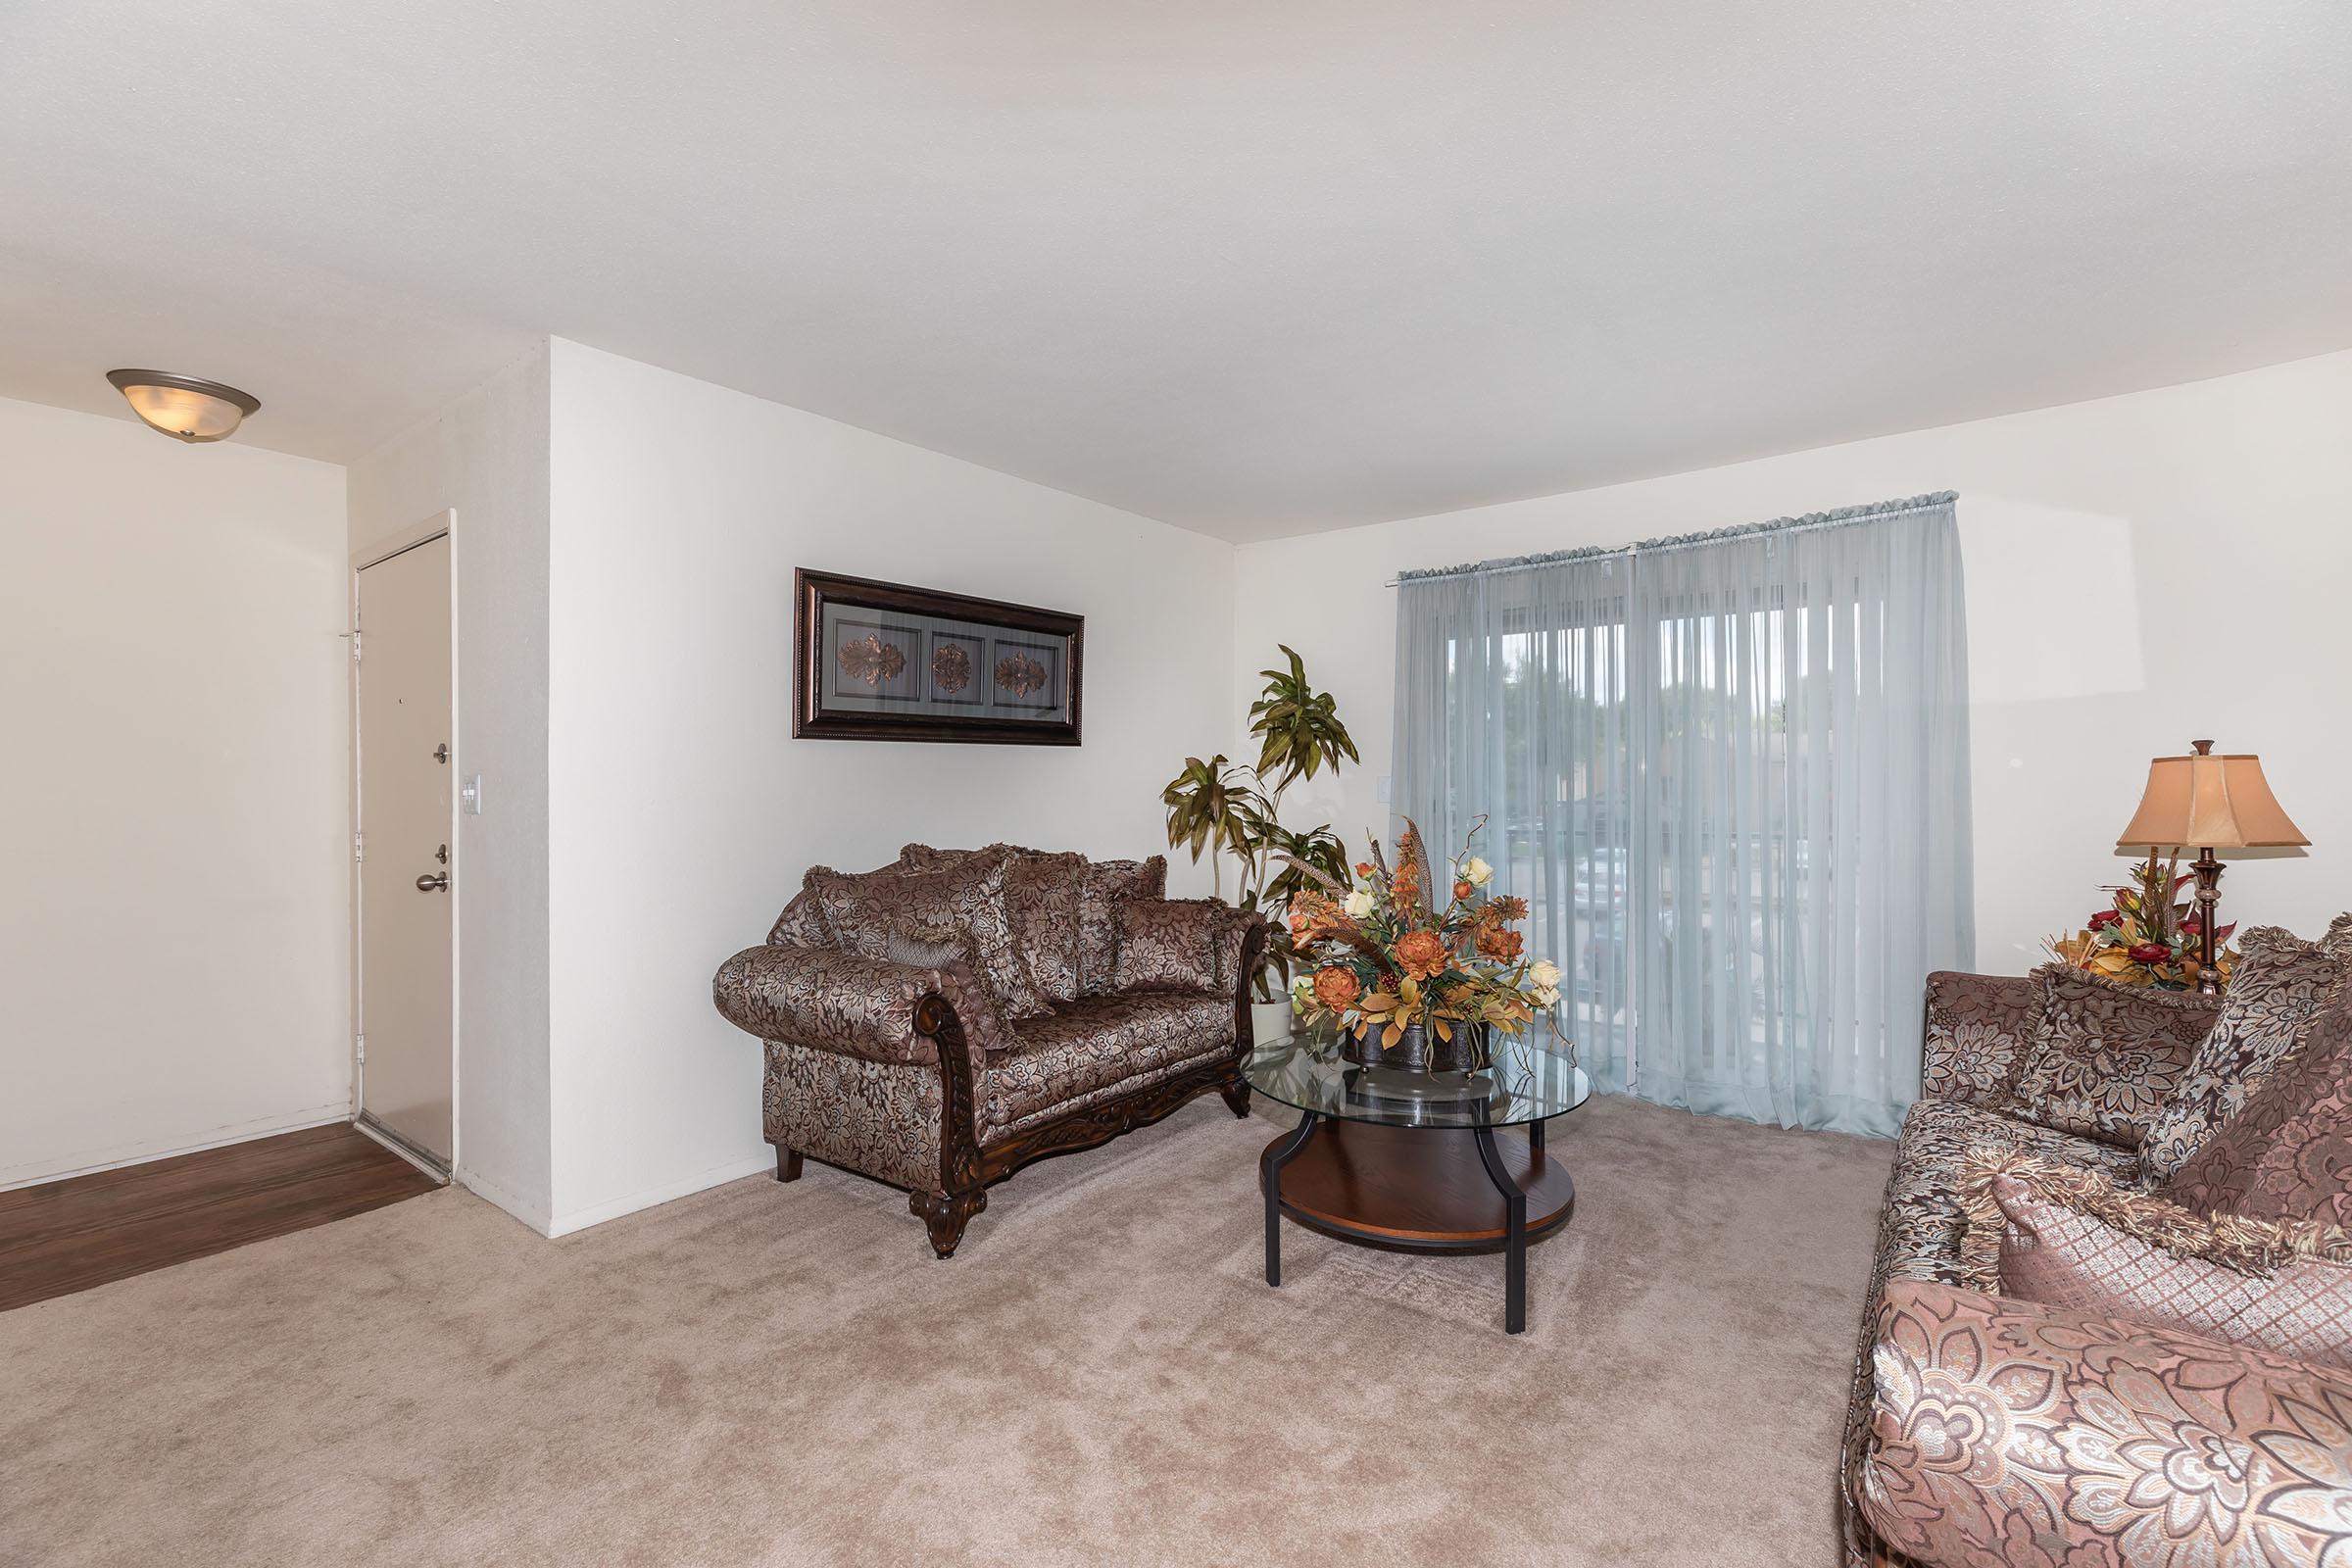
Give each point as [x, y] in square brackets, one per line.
[2208, 802]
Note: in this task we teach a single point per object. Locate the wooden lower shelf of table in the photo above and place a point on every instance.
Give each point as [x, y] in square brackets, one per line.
[1421, 1189]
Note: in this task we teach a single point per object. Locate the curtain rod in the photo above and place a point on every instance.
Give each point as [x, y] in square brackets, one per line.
[1842, 516]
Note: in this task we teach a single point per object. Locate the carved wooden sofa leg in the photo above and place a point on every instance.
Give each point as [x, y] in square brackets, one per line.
[946, 1214]
[788, 1165]
[1237, 1096]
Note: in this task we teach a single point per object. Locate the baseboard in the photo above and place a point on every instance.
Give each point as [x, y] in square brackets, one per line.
[88, 1162]
[529, 1214]
[717, 1175]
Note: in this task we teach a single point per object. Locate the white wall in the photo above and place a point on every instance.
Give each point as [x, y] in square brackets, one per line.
[2141, 570]
[173, 701]
[485, 459]
[682, 813]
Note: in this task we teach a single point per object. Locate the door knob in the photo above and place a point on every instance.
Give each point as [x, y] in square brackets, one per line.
[433, 884]
[441, 752]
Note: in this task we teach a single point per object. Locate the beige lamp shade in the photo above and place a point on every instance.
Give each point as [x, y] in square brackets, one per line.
[2208, 802]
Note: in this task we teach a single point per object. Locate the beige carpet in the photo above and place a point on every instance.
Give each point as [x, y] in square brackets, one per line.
[771, 1374]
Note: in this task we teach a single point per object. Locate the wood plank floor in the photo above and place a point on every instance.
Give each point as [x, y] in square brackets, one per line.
[67, 1236]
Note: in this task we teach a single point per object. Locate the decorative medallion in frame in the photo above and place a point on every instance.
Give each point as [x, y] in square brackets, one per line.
[878, 660]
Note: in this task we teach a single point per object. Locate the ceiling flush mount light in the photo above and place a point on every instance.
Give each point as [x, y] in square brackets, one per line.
[183, 407]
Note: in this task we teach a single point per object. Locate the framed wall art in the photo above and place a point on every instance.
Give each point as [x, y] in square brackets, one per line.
[883, 662]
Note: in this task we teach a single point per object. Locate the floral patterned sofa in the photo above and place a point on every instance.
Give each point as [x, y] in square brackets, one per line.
[2184, 1396]
[941, 1022]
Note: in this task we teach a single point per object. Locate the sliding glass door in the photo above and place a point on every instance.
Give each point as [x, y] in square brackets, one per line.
[1730, 779]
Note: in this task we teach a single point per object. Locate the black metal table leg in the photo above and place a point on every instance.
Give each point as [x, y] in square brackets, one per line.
[1534, 1136]
[1271, 1177]
[1514, 1256]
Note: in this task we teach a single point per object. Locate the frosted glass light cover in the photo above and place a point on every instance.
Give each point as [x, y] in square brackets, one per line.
[183, 407]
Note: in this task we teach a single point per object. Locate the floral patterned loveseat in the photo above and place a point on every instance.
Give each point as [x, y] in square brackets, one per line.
[941, 1022]
[1987, 1429]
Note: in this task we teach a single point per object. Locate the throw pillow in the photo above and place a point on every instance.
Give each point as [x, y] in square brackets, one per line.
[1979, 1027]
[1168, 946]
[1101, 889]
[962, 901]
[1224, 945]
[2103, 1057]
[921, 953]
[2289, 1153]
[801, 925]
[1041, 900]
[2276, 995]
[2066, 1236]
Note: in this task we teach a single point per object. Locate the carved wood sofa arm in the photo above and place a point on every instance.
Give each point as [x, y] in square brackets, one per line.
[1239, 946]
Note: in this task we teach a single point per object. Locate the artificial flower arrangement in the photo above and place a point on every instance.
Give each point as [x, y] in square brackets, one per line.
[1387, 956]
[2146, 939]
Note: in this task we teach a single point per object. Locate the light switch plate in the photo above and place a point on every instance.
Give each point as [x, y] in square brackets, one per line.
[1383, 789]
[469, 794]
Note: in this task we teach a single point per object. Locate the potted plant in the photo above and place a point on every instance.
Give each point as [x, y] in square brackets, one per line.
[1219, 808]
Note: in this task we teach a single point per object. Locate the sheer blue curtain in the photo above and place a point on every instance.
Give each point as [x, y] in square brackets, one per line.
[1730, 776]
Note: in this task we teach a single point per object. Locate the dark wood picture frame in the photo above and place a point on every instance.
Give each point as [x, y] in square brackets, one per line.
[814, 593]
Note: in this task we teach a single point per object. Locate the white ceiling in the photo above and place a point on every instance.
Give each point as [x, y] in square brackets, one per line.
[1253, 267]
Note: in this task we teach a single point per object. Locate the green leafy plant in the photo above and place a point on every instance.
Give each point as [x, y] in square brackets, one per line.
[1221, 808]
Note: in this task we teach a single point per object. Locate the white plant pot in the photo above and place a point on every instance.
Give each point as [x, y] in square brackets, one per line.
[1270, 1020]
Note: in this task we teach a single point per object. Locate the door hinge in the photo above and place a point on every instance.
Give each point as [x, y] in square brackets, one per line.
[359, 846]
[355, 646]
[359, 1046]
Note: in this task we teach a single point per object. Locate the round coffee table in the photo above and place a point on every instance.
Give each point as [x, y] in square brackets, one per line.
[1410, 1161]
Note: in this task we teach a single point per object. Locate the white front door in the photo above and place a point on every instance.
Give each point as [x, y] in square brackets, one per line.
[407, 872]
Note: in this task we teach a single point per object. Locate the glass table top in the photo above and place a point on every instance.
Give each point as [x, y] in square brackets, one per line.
[1529, 1081]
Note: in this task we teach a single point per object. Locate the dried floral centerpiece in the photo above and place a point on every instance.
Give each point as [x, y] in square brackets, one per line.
[2144, 938]
[1397, 969]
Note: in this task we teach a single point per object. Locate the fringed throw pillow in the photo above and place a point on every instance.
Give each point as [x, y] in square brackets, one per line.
[2066, 1236]
[1041, 901]
[2274, 997]
[2289, 1153]
[2104, 1057]
[1169, 946]
[960, 902]
[1105, 886]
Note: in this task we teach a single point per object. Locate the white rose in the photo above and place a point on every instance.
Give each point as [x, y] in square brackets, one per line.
[1359, 904]
[1545, 973]
[1477, 873]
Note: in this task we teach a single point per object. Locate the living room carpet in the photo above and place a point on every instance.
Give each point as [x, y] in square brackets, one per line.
[782, 1374]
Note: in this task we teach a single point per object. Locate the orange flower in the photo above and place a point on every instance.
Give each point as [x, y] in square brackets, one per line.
[1337, 988]
[1404, 883]
[1495, 943]
[1504, 907]
[1461, 887]
[1363, 868]
[1422, 953]
[1310, 917]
